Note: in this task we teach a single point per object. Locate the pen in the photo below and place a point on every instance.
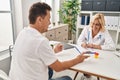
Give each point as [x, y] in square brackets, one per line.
[77, 49]
[89, 52]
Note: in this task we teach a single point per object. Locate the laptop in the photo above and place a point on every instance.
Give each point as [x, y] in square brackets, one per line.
[67, 45]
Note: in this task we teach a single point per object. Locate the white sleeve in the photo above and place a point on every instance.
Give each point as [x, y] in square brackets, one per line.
[81, 38]
[48, 56]
[108, 44]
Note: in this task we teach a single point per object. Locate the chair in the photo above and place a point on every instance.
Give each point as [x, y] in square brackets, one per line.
[3, 75]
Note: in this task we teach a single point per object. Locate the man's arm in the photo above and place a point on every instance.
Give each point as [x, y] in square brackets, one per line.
[59, 66]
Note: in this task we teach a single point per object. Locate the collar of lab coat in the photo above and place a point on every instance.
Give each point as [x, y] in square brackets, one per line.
[98, 36]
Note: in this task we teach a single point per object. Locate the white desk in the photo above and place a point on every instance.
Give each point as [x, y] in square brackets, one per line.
[106, 66]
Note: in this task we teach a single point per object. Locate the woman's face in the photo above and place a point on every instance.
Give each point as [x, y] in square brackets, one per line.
[96, 26]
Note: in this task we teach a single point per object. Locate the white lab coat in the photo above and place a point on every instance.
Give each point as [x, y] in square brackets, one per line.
[102, 38]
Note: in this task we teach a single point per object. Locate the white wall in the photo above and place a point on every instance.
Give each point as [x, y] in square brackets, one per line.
[25, 10]
[55, 11]
[18, 16]
[27, 3]
[22, 10]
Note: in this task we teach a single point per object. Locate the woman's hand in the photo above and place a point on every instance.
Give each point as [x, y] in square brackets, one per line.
[84, 45]
[93, 46]
[58, 48]
[89, 45]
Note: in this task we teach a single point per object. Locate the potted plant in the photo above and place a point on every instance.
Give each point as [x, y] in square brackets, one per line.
[68, 14]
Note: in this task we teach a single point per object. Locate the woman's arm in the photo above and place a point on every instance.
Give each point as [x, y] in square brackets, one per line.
[108, 44]
[81, 40]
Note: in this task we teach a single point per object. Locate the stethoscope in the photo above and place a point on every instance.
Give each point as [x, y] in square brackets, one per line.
[88, 37]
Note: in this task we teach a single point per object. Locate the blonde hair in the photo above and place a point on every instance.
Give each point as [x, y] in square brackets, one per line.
[100, 18]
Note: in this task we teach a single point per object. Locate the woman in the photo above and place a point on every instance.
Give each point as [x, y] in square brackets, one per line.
[96, 36]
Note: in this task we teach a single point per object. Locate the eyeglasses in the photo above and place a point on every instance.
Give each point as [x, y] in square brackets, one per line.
[96, 24]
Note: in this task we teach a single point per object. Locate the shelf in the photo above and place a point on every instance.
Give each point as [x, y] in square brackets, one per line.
[108, 28]
[112, 28]
[117, 12]
[81, 26]
[56, 26]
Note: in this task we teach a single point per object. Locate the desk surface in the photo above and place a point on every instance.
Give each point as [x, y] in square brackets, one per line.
[106, 66]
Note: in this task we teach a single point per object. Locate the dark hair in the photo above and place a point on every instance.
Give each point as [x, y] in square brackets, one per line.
[38, 9]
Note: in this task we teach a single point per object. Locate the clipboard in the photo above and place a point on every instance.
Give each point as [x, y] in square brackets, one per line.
[67, 45]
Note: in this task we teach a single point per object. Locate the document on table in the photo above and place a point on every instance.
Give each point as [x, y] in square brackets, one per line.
[117, 53]
[81, 49]
[67, 54]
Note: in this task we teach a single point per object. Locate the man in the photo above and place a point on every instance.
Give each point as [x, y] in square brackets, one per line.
[32, 53]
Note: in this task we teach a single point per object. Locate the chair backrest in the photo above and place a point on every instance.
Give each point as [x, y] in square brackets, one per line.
[3, 75]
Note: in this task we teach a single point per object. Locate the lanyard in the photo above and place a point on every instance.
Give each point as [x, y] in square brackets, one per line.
[88, 37]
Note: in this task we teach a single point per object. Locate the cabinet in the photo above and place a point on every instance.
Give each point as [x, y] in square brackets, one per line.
[112, 23]
[58, 33]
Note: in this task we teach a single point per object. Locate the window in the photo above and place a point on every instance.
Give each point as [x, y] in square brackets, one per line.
[6, 27]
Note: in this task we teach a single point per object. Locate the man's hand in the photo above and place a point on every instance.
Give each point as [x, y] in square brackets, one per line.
[82, 57]
[58, 48]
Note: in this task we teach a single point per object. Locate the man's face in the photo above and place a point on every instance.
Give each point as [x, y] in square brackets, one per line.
[46, 22]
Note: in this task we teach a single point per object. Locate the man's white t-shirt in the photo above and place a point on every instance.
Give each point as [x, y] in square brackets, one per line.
[31, 56]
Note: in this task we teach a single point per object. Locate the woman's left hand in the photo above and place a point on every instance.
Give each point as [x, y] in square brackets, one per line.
[89, 45]
[94, 46]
